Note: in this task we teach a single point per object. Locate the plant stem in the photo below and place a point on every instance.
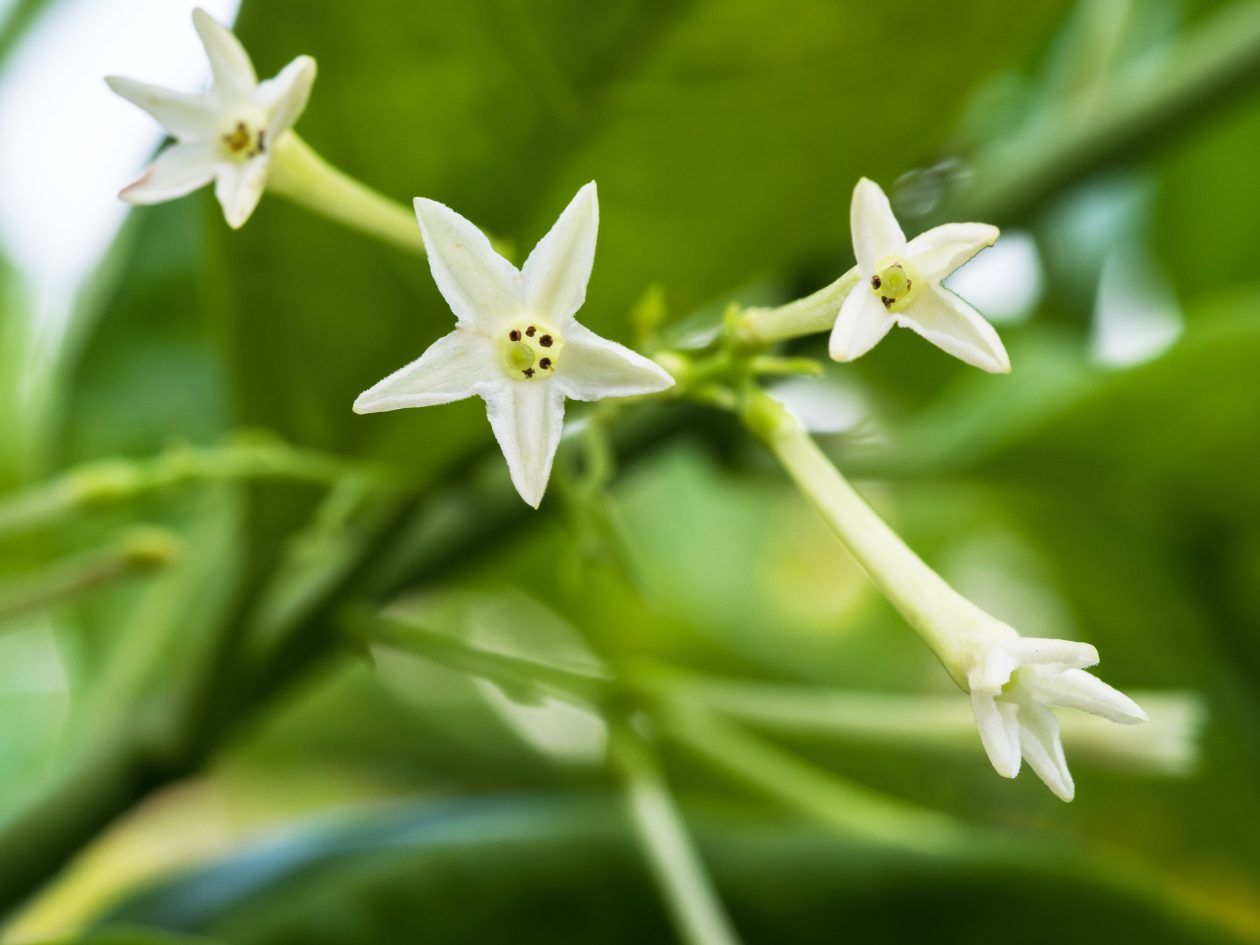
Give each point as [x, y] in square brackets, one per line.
[814, 313]
[1136, 109]
[851, 810]
[581, 689]
[118, 480]
[949, 623]
[139, 552]
[301, 175]
[680, 875]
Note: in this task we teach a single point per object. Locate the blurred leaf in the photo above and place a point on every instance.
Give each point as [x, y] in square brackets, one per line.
[564, 870]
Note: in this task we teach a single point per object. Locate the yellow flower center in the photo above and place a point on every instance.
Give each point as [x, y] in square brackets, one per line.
[895, 283]
[244, 141]
[530, 350]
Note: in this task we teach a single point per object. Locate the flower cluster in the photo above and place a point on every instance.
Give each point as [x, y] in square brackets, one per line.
[518, 345]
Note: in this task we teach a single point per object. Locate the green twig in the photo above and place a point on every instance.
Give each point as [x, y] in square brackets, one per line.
[851, 810]
[113, 481]
[680, 875]
[138, 552]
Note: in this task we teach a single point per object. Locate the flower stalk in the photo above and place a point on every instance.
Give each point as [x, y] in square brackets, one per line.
[684, 883]
[816, 313]
[302, 176]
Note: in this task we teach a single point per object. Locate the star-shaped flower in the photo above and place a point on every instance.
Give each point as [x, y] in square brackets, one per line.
[1012, 682]
[226, 134]
[516, 343]
[901, 285]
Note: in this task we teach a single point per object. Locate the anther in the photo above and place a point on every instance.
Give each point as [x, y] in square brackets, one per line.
[545, 341]
[530, 331]
[528, 372]
[875, 283]
[514, 334]
[545, 363]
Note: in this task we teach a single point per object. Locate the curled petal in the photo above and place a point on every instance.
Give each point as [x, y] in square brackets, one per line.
[942, 249]
[230, 68]
[862, 322]
[1046, 650]
[527, 417]
[955, 327]
[1077, 689]
[458, 365]
[875, 230]
[184, 116]
[993, 672]
[285, 96]
[558, 269]
[593, 368]
[239, 188]
[1043, 749]
[177, 171]
[481, 287]
[997, 722]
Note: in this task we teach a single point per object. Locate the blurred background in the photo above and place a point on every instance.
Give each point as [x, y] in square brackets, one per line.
[196, 744]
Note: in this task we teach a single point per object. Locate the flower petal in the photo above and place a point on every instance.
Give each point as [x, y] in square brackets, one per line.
[285, 96]
[1042, 747]
[184, 116]
[527, 417]
[993, 671]
[558, 269]
[177, 171]
[862, 322]
[955, 327]
[997, 722]
[231, 71]
[481, 287]
[458, 365]
[875, 230]
[240, 186]
[1046, 650]
[1077, 689]
[942, 249]
[593, 368]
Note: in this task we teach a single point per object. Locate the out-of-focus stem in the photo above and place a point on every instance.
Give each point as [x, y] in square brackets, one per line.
[849, 809]
[680, 875]
[140, 551]
[117, 480]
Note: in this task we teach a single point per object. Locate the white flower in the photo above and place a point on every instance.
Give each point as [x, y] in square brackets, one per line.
[901, 285]
[1013, 680]
[516, 343]
[226, 134]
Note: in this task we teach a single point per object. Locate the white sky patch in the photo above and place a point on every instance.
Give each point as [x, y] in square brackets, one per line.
[1004, 283]
[69, 143]
[1136, 315]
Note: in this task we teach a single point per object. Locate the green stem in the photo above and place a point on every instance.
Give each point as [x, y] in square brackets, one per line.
[851, 810]
[513, 672]
[1167, 745]
[951, 625]
[1140, 108]
[112, 481]
[680, 875]
[301, 175]
[139, 552]
[815, 313]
